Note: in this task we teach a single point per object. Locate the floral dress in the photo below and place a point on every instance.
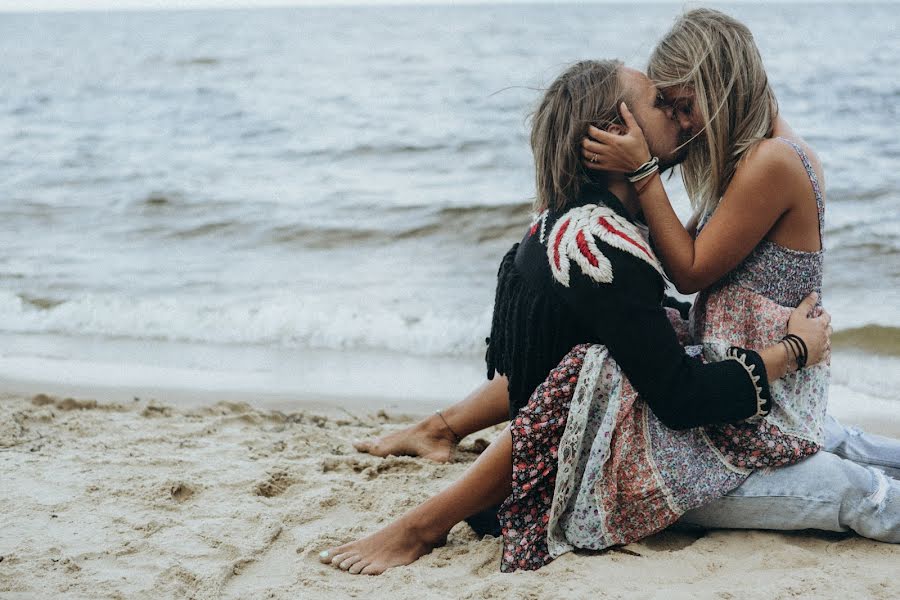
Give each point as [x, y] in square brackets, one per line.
[594, 467]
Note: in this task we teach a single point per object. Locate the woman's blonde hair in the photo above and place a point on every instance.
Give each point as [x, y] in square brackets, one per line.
[588, 92]
[715, 56]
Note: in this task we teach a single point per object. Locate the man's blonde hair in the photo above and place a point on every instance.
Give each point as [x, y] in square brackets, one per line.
[716, 56]
[588, 92]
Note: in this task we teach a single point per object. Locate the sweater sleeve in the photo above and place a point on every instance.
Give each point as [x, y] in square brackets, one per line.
[683, 391]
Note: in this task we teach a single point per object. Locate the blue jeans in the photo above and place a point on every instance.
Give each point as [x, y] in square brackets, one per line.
[852, 484]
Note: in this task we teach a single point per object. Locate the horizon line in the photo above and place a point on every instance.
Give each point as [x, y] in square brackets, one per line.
[207, 5]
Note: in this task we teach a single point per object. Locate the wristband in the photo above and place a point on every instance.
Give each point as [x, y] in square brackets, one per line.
[645, 170]
[801, 352]
[644, 186]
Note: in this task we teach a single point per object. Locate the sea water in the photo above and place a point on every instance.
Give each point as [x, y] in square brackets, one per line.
[273, 198]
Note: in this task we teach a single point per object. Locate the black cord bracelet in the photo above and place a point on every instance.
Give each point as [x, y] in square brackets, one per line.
[801, 351]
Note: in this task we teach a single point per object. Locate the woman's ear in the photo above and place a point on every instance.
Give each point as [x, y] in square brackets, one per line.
[616, 129]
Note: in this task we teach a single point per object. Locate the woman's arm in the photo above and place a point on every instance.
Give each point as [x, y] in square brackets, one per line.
[760, 192]
[756, 198]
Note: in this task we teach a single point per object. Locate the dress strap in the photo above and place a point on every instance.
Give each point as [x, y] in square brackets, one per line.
[814, 179]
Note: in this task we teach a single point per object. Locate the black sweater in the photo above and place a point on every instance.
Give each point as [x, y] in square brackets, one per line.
[537, 320]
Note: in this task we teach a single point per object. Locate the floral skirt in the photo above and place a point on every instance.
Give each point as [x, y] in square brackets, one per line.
[593, 467]
[536, 433]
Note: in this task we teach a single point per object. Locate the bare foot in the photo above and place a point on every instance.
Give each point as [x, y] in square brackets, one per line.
[429, 439]
[398, 544]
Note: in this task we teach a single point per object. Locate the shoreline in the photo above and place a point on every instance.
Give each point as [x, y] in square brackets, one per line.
[872, 414]
[335, 382]
[863, 391]
[271, 377]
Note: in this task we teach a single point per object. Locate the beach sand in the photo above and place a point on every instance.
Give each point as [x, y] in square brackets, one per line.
[148, 499]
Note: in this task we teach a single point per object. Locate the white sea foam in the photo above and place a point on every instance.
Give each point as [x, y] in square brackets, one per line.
[282, 320]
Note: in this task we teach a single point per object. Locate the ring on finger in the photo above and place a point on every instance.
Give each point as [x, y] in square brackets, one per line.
[593, 158]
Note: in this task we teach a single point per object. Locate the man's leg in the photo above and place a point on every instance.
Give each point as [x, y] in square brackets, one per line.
[434, 437]
[486, 483]
[862, 448]
[824, 492]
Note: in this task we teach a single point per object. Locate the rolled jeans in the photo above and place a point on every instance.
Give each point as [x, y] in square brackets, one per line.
[852, 484]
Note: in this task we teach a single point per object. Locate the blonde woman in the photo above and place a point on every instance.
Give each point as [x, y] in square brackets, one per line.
[753, 250]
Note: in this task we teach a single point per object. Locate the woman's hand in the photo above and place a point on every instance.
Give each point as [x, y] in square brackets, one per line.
[605, 151]
[814, 327]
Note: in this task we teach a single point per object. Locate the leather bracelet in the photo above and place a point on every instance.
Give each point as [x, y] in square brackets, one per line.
[645, 170]
[791, 355]
[640, 190]
[802, 354]
[794, 350]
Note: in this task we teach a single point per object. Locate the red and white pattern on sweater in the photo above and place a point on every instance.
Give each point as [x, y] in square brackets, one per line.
[572, 239]
[539, 223]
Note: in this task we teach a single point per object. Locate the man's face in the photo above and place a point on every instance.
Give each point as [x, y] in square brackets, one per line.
[664, 134]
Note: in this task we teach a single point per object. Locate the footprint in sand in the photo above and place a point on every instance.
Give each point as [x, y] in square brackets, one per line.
[181, 491]
[275, 484]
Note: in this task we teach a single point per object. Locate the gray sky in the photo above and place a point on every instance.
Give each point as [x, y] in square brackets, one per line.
[70, 5]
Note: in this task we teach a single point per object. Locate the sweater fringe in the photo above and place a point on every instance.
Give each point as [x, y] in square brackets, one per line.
[529, 333]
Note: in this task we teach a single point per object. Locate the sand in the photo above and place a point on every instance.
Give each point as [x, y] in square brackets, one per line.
[143, 499]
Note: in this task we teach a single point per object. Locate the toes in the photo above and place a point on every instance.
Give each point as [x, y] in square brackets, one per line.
[327, 556]
[357, 568]
[349, 562]
[372, 569]
[362, 445]
[338, 558]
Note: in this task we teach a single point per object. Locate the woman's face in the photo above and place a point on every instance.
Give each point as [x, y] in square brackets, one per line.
[684, 108]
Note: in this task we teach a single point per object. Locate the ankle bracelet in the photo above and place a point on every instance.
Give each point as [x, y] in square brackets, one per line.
[455, 435]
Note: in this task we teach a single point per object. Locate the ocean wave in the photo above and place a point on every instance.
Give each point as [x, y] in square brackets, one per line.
[465, 225]
[295, 321]
[390, 148]
[213, 228]
[322, 238]
[173, 215]
[40, 302]
[280, 320]
[203, 61]
[873, 339]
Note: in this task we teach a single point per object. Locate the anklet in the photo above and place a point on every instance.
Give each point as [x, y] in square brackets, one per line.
[458, 439]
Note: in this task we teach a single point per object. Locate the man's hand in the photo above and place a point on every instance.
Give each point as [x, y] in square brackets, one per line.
[605, 151]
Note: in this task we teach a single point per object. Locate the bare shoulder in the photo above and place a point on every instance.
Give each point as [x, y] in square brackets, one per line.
[771, 157]
[783, 130]
[775, 168]
[813, 159]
